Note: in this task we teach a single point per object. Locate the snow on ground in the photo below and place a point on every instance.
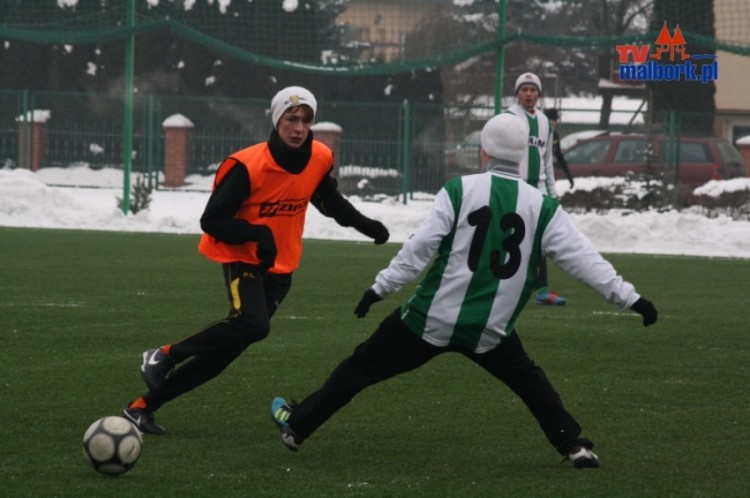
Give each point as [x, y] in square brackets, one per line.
[27, 201]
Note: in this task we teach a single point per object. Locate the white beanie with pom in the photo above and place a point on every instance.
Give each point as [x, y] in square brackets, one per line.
[529, 79]
[505, 137]
[291, 96]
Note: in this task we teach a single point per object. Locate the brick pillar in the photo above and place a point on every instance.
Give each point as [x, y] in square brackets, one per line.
[32, 140]
[743, 145]
[178, 134]
[329, 134]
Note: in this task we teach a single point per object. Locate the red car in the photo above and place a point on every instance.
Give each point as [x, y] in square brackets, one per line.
[698, 159]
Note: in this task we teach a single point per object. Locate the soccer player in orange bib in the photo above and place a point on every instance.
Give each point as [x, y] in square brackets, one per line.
[252, 224]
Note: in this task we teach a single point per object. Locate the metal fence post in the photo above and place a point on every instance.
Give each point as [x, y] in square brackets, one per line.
[24, 146]
[406, 165]
[671, 147]
[500, 59]
[677, 124]
[127, 145]
[151, 172]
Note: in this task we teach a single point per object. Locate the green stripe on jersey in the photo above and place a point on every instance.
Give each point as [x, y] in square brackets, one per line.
[480, 295]
[535, 159]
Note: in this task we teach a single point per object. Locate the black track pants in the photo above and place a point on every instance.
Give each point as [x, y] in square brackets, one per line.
[254, 296]
[393, 349]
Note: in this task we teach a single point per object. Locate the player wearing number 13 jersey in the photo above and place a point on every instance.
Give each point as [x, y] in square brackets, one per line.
[484, 237]
[486, 232]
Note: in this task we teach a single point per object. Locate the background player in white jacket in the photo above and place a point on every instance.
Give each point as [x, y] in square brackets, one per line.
[486, 233]
[537, 166]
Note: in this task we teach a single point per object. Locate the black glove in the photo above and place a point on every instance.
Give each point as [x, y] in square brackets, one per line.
[646, 309]
[368, 299]
[372, 228]
[266, 250]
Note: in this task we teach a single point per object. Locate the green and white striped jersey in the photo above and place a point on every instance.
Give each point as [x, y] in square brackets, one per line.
[487, 233]
[537, 166]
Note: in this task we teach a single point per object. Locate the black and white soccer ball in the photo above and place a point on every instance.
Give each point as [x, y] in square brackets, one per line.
[112, 445]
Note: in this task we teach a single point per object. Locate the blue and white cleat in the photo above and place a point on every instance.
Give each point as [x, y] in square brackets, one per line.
[280, 413]
[547, 297]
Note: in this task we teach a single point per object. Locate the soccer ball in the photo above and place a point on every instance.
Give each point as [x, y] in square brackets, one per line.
[112, 445]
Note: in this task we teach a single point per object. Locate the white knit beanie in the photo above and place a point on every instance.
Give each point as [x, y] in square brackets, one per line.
[530, 79]
[291, 96]
[506, 137]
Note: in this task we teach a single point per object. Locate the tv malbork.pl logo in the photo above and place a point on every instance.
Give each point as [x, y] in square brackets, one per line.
[638, 64]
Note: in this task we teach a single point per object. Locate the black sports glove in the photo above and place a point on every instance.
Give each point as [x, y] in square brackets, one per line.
[646, 309]
[368, 299]
[372, 228]
[266, 250]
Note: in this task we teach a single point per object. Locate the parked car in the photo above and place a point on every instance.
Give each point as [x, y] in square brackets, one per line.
[571, 139]
[698, 159]
[464, 156]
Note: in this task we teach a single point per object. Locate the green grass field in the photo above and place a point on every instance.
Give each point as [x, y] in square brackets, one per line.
[668, 406]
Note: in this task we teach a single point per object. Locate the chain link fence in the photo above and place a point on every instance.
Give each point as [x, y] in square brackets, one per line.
[384, 149]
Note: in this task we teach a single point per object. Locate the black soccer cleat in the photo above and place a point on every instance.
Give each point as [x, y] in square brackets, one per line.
[143, 420]
[581, 455]
[156, 368]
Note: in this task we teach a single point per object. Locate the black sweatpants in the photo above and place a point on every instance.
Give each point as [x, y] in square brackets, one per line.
[394, 349]
[254, 296]
[541, 276]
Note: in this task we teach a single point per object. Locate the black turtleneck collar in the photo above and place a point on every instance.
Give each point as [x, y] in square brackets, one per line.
[291, 159]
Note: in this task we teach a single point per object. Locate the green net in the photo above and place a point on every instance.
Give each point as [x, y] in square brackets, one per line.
[243, 48]
[377, 36]
[409, 81]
